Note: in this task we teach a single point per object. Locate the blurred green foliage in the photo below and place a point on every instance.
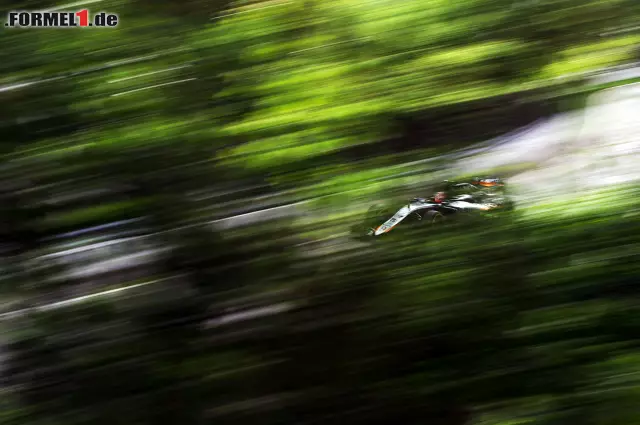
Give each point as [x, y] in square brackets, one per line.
[189, 110]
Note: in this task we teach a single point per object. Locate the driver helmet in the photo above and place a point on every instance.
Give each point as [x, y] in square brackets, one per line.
[440, 197]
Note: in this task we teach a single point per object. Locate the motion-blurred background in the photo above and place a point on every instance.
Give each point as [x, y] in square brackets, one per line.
[176, 196]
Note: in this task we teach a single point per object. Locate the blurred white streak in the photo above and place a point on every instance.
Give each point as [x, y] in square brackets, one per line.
[154, 86]
[249, 314]
[132, 60]
[256, 216]
[620, 31]
[91, 247]
[254, 313]
[107, 65]
[330, 44]
[94, 228]
[27, 84]
[148, 73]
[72, 301]
[78, 300]
[15, 86]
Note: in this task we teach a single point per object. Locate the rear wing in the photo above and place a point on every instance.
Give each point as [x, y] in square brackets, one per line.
[489, 182]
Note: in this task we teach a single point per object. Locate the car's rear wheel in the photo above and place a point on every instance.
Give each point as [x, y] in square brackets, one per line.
[433, 217]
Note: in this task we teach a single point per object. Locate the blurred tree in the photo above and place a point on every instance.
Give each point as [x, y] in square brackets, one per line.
[523, 314]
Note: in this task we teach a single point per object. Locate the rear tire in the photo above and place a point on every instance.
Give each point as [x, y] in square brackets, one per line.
[433, 217]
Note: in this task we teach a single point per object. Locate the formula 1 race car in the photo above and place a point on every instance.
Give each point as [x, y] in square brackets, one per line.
[456, 198]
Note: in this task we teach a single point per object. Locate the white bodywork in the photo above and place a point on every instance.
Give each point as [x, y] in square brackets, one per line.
[471, 205]
[402, 213]
[461, 202]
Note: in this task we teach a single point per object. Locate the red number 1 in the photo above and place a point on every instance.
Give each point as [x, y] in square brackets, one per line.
[84, 17]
